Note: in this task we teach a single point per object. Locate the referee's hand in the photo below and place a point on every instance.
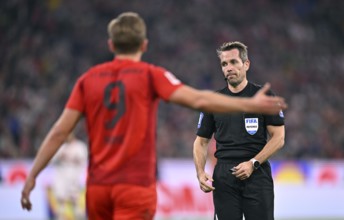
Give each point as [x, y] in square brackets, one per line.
[243, 171]
[203, 180]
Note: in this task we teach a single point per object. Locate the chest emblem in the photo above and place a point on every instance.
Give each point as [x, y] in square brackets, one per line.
[251, 125]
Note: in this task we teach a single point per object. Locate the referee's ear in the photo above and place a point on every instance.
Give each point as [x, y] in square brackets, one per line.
[247, 65]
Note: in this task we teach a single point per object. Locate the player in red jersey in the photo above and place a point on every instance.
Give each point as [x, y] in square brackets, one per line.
[119, 100]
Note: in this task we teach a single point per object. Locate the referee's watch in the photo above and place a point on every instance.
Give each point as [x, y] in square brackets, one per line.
[255, 163]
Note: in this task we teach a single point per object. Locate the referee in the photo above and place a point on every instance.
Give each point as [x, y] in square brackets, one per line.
[242, 183]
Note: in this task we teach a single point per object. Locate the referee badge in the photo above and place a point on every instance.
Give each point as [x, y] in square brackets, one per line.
[251, 125]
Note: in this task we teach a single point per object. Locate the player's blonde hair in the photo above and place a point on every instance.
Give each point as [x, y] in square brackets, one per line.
[243, 53]
[127, 32]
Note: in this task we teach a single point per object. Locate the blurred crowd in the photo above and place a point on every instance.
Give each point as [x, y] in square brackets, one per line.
[298, 46]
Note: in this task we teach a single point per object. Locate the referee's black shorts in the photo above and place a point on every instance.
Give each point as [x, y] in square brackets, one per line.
[233, 198]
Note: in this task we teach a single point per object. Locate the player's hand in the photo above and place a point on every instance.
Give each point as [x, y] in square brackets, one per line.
[25, 198]
[267, 104]
[243, 171]
[204, 179]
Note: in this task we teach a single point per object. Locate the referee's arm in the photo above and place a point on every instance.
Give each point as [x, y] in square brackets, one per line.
[275, 142]
[200, 152]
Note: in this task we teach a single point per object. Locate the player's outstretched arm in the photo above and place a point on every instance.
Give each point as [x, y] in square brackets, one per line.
[209, 101]
[56, 136]
[267, 104]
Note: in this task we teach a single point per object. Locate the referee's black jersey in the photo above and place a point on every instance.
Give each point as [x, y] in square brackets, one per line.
[240, 135]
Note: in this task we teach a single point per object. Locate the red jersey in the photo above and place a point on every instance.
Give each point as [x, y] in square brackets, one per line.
[119, 100]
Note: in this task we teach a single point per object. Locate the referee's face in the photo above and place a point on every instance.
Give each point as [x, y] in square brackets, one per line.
[233, 68]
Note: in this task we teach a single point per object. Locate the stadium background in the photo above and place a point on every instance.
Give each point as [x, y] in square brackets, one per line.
[295, 45]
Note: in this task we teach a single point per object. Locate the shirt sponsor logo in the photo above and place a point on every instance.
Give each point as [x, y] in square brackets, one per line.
[200, 120]
[173, 80]
[281, 114]
[251, 125]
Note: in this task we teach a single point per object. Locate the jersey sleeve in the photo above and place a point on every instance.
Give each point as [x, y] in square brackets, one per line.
[275, 120]
[164, 82]
[206, 125]
[76, 98]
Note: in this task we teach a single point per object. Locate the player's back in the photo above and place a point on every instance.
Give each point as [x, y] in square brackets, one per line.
[120, 99]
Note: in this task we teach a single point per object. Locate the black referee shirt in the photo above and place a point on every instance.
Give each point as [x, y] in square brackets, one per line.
[241, 135]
